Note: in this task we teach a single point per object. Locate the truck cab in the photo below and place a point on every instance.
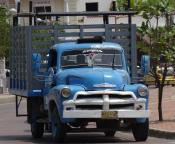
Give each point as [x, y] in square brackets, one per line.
[90, 82]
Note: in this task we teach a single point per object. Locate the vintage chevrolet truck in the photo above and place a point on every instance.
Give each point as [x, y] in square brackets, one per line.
[75, 83]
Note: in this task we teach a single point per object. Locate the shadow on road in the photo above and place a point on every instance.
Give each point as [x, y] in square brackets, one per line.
[71, 138]
[164, 121]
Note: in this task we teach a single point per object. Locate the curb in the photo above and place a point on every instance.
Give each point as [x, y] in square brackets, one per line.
[161, 134]
[6, 98]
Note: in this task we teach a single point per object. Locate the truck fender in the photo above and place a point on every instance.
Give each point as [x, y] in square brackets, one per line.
[51, 105]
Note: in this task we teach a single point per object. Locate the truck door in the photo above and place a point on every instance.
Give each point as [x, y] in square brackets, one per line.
[52, 68]
[53, 59]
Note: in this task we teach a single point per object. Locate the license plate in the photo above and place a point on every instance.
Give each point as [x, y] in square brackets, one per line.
[109, 115]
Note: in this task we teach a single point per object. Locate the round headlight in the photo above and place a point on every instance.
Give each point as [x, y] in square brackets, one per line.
[143, 91]
[65, 92]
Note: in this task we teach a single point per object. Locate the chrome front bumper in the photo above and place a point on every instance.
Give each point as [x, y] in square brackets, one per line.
[100, 114]
[105, 106]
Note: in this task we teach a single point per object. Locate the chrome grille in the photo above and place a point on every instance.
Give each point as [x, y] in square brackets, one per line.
[89, 107]
[97, 96]
[120, 96]
[104, 101]
[93, 96]
[122, 106]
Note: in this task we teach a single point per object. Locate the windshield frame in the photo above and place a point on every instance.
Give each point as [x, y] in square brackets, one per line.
[96, 65]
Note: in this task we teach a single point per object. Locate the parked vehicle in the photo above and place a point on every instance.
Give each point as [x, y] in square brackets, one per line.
[149, 79]
[74, 83]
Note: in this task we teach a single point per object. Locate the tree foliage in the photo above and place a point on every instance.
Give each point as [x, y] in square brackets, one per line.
[158, 41]
[122, 5]
[155, 40]
[4, 33]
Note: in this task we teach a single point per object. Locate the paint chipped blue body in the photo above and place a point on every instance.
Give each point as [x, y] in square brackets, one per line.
[89, 78]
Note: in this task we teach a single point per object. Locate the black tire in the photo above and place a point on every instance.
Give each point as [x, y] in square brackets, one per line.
[58, 129]
[37, 130]
[110, 133]
[140, 131]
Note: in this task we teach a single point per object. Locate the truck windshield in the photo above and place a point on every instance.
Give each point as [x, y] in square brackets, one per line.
[91, 58]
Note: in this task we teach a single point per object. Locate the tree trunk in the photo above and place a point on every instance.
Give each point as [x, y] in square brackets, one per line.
[161, 86]
[160, 102]
[167, 19]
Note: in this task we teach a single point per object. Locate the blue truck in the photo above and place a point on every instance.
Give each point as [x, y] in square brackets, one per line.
[70, 83]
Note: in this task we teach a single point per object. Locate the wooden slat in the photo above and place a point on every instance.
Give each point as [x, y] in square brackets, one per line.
[60, 27]
[40, 50]
[41, 27]
[94, 33]
[41, 43]
[68, 34]
[38, 35]
[119, 33]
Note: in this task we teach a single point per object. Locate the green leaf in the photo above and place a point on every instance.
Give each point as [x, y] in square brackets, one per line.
[5, 30]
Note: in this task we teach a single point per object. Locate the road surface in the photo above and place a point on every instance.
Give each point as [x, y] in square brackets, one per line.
[17, 131]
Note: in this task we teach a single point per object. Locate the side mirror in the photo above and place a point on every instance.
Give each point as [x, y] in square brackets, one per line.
[36, 63]
[145, 64]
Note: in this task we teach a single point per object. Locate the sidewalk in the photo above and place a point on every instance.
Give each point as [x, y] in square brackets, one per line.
[166, 128]
[6, 98]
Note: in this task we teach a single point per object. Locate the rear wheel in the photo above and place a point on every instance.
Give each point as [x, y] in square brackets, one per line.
[140, 131]
[37, 130]
[58, 129]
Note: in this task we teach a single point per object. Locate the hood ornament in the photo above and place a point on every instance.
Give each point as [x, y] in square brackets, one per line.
[104, 85]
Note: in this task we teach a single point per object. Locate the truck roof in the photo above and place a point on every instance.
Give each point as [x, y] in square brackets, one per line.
[73, 46]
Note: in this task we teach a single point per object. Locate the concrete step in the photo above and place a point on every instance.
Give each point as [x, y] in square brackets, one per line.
[5, 98]
[5, 91]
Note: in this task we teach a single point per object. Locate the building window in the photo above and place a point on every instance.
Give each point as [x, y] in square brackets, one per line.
[92, 6]
[42, 9]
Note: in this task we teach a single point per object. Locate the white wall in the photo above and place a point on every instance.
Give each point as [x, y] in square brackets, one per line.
[2, 75]
[57, 5]
[24, 7]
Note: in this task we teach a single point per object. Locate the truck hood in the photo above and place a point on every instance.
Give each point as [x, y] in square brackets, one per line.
[94, 78]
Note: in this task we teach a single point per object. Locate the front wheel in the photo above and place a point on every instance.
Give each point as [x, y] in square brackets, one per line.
[58, 129]
[37, 130]
[140, 130]
[110, 133]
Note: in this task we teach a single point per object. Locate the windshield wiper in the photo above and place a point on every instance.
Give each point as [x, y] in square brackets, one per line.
[113, 61]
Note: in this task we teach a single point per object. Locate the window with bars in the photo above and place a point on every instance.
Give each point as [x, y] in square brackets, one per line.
[92, 6]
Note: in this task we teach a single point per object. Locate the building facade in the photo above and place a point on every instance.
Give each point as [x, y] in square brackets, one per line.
[65, 6]
[8, 3]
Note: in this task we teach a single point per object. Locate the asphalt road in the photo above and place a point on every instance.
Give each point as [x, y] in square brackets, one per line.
[17, 131]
